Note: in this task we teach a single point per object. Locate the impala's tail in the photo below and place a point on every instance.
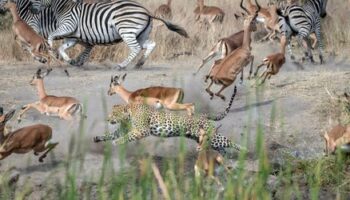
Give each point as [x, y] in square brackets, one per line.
[227, 110]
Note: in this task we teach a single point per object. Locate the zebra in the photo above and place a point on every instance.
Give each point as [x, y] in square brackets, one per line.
[106, 23]
[305, 20]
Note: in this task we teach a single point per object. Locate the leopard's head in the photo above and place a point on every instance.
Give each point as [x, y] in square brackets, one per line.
[120, 113]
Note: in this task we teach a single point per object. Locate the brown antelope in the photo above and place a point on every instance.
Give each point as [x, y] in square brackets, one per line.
[268, 16]
[35, 137]
[273, 62]
[28, 39]
[225, 46]
[337, 137]
[64, 107]
[225, 71]
[207, 158]
[164, 11]
[209, 14]
[170, 98]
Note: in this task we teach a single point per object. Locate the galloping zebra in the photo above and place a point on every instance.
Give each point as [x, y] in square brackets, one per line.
[105, 23]
[306, 20]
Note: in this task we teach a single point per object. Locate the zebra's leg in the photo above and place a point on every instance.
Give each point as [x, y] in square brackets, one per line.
[133, 44]
[319, 40]
[67, 44]
[67, 28]
[309, 47]
[308, 52]
[289, 47]
[149, 46]
[82, 57]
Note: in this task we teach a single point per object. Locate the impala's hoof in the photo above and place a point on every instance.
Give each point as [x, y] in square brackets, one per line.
[41, 159]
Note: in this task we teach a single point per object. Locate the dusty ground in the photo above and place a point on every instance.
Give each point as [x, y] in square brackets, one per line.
[298, 97]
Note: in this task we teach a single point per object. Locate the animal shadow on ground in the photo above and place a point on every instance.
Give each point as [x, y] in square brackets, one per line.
[46, 167]
[247, 107]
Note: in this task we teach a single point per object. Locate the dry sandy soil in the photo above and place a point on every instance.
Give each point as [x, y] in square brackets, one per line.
[297, 96]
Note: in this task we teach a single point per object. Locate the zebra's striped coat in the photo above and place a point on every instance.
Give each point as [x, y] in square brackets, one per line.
[106, 23]
[305, 20]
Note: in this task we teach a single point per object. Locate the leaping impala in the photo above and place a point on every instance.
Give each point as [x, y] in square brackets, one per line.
[28, 39]
[35, 137]
[64, 107]
[170, 98]
[225, 71]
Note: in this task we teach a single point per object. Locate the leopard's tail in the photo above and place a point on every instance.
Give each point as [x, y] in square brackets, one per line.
[237, 147]
[227, 110]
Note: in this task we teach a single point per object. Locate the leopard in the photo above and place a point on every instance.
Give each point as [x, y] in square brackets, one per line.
[146, 121]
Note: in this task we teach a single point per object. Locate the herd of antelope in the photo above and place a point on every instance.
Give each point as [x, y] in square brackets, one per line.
[235, 53]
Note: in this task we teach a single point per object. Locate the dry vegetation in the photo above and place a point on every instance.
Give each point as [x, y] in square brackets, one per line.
[169, 45]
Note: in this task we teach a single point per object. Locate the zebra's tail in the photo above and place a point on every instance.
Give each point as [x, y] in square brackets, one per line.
[173, 27]
[227, 110]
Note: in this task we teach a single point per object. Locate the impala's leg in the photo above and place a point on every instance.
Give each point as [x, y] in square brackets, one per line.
[25, 108]
[251, 67]
[242, 74]
[3, 155]
[60, 63]
[216, 179]
[210, 56]
[66, 28]
[272, 35]
[23, 45]
[219, 93]
[267, 35]
[209, 91]
[314, 40]
[49, 146]
[67, 116]
[257, 69]
[177, 106]
[270, 74]
[266, 74]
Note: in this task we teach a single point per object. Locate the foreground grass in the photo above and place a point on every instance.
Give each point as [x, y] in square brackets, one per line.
[297, 179]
